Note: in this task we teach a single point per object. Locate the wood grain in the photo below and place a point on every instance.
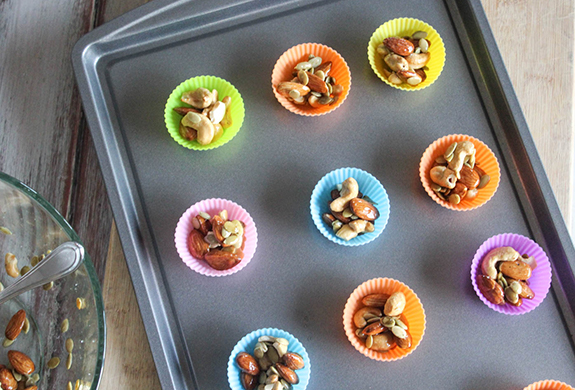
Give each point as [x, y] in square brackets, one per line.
[536, 42]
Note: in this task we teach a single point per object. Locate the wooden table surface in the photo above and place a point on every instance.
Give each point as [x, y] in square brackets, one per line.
[45, 142]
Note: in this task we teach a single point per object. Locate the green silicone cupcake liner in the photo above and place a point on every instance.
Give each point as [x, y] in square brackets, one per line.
[224, 88]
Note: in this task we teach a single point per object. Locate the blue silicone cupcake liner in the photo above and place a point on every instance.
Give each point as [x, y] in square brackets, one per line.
[368, 185]
[247, 344]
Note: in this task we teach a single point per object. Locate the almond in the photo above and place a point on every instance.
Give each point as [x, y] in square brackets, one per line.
[197, 246]
[460, 189]
[373, 329]
[249, 382]
[221, 260]
[247, 363]
[316, 84]
[491, 290]
[32, 388]
[363, 209]
[340, 217]
[21, 363]
[375, 300]
[469, 177]
[184, 110]
[334, 194]
[188, 133]
[406, 74]
[403, 343]
[15, 325]
[325, 67]
[421, 74]
[286, 87]
[7, 380]
[202, 224]
[399, 46]
[217, 226]
[293, 360]
[287, 373]
[517, 269]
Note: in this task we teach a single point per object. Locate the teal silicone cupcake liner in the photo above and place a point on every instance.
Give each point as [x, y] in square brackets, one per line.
[368, 185]
[247, 344]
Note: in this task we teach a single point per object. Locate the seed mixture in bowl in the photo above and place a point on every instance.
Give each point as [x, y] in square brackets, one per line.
[405, 59]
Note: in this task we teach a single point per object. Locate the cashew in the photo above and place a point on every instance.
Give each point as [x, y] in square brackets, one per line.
[349, 190]
[11, 265]
[463, 150]
[214, 95]
[202, 124]
[443, 176]
[362, 315]
[346, 233]
[227, 121]
[382, 50]
[417, 61]
[217, 112]
[360, 226]
[396, 62]
[198, 98]
[504, 253]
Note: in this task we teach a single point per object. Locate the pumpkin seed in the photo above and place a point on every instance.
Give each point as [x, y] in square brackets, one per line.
[17, 376]
[325, 100]
[511, 295]
[281, 340]
[273, 355]
[32, 380]
[65, 326]
[368, 199]
[303, 77]
[315, 62]
[399, 332]
[316, 94]
[294, 94]
[454, 199]
[5, 230]
[417, 50]
[400, 323]
[303, 65]
[1, 286]
[53, 363]
[388, 322]
[374, 319]
[69, 345]
[440, 195]
[336, 225]
[69, 362]
[204, 215]
[263, 377]
[7, 343]
[333, 80]
[26, 327]
[435, 187]
[423, 45]
[34, 261]
[70, 386]
[346, 213]
[24, 270]
[320, 74]
[369, 341]
[448, 159]
[419, 35]
[449, 151]
[359, 333]
[516, 287]
[329, 89]
[267, 339]
[48, 286]
[483, 181]
[280, 348]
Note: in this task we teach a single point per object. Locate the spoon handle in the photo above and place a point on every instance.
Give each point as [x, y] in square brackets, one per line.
[61, 262]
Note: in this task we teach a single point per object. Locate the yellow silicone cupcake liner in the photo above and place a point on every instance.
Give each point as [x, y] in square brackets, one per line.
[484, 159]
[401, 27]
[413, 313]
[548, 385]
[224, 88]
[290, 58]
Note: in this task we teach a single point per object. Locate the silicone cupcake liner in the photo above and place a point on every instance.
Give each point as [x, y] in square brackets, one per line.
[406, 27]
[539, 282]
[413, 313]
[247, 344]
[485, 159]
[368, 185]
[283, 72]
[548, 385]
[224, 89]
[212, 207]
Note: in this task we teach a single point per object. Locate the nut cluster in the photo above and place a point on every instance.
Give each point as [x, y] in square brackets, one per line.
[380, 322]
[206, 120]
[19, 376]
[271, 367]
[311, 84]
[351, 213]
[217, 240]
[504, 276]
[405, 59]
[455, 174]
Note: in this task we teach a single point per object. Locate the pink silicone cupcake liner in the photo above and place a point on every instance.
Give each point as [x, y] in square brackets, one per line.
[539, 282]
[214, 206]
[548, 384]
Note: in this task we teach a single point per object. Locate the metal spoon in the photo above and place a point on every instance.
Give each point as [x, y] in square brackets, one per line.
[61, 262]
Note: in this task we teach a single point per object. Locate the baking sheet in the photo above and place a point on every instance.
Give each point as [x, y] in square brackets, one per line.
[298, 280]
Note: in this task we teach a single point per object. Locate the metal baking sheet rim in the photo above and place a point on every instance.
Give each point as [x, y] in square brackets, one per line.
[164, 332]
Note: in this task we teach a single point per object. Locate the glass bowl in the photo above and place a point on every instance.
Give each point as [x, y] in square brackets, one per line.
[29, 228]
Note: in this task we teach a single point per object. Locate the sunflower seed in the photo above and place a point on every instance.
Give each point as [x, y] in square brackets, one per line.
[7, 343]
[70, 386]
[53, 363]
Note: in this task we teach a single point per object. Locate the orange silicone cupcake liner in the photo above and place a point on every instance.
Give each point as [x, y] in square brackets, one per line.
[484, 159]
[548, 385]
[283, 72]
[413, 313]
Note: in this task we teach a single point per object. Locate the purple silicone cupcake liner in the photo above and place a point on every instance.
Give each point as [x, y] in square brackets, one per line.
[539, 282]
